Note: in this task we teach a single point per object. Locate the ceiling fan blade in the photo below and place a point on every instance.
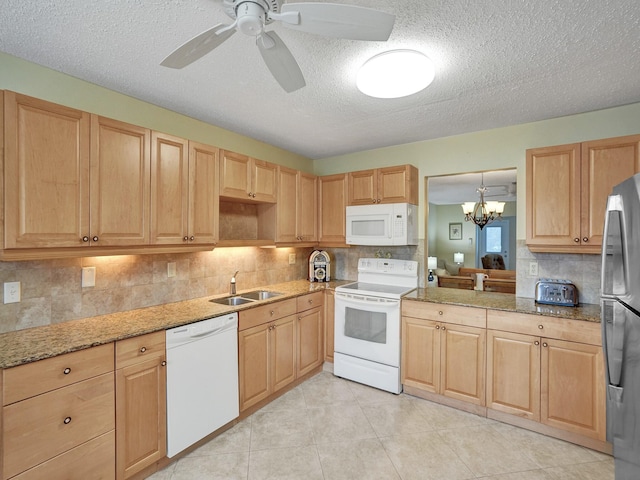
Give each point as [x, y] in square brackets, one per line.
[280, 62]
[198, 46]
[341, 21]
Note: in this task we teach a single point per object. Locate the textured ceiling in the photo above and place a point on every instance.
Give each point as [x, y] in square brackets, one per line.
[498, 63]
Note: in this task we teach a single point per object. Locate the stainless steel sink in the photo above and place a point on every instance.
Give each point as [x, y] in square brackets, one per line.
[235, 300]
[260, 294]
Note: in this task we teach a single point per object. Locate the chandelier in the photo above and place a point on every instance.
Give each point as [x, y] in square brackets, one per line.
[482, 213]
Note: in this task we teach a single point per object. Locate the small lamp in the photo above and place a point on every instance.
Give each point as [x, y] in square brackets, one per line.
[458, 258]
[432, 264]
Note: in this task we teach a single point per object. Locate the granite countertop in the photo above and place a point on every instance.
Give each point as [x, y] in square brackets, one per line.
[503, 301]
[38, 343]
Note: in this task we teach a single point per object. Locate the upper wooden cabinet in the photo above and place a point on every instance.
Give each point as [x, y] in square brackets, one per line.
[184, 200]
[332, 198]
[46, 173]
[297, 211]
[247, 179]
[567, 189]
[120, 183]
[398, 184]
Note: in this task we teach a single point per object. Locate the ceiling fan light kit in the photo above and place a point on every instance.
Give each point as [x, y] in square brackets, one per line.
[395, 74]
[251, 16]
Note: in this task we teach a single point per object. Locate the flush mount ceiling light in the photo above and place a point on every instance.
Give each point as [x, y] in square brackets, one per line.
[394, 74]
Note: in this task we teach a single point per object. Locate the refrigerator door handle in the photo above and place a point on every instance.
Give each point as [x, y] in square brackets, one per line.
[613, 331]
[614, 256]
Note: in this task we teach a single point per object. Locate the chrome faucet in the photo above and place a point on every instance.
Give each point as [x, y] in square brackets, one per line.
[232, 284]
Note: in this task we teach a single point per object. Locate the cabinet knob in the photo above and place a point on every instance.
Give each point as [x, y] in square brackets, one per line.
[373, 200]
[310, 301]
[185, 238]
[437, 327]
[536, 343]
[540, 327]
[253, 195]
[95, 238]
[66, 371]
[163, 363]
[379, 201]
[249, 194]
[67, 420]
[440, 312]
[577, 240]
[192, 238]
[585, 239]
[545, 344]
[143, 349]
[444, 328]
[85, 239]
[271, 313]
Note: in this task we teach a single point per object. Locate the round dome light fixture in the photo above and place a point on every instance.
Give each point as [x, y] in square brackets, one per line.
[395, 74]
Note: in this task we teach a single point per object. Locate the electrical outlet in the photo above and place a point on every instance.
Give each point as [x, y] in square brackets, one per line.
[533, 269]
[171, 269]
[88, 277]
[292, 258]
[11, 292]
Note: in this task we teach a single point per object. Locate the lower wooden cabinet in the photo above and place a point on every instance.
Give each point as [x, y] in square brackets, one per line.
[141, 403]
[309, 336]
[58, 417]
[549, 379]
[444, 358]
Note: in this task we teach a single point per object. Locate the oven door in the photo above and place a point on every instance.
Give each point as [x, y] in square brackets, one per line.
[368, 327]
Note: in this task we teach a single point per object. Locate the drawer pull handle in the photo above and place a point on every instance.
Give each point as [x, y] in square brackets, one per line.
[540, 327]
[143, 349]
[536, 342]
[66, 371]
[67, 420]
[164, 363]
[440, 312]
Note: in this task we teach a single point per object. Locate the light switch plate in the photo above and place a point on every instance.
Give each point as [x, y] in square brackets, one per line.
[88, 277]
[292, 258]
[171, 269]
[11, 292]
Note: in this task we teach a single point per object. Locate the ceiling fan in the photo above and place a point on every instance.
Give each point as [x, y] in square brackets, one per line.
[251, 16]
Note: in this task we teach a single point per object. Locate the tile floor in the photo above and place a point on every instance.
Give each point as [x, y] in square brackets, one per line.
[332, 429]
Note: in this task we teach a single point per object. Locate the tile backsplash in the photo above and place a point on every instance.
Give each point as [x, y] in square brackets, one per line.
[52, 291]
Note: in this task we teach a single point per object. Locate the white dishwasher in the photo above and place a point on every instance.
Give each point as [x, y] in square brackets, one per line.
[202, 380]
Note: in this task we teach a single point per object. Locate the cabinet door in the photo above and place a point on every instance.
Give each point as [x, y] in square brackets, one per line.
[46, 174]
[120, 183]
[572, 393]
[307, 216]
[235, 175]
[329, 324]
[203, 194]
[363, 187]
[397, 184]
[283, 352]
[254, 351]
[513, 374]
[421, 354]
[309, 333]
[553, 196]
[463, 363]
[264, 176]
[169, 189]
[605, 163]
[287, 208]
[333, 201]
[141, 429]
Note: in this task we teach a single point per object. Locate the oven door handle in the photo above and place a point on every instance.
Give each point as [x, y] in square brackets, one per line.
[362, 300]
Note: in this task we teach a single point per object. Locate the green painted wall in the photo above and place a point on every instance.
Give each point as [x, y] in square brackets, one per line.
[37, 81]
[490, 149]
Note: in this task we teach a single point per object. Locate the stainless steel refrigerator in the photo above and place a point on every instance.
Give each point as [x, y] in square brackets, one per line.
[620, 314]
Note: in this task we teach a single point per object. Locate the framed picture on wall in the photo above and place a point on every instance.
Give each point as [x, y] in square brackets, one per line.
[455, 231]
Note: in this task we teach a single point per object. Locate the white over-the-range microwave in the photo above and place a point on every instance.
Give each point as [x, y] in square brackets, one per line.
[382, 224]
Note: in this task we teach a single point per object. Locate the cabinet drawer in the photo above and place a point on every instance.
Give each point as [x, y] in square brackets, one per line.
[42, 427]
[311, 300]
[94, 459]
[469, 316]
[34, 378]
[542, 326]
[266, 313]
[139, 349]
